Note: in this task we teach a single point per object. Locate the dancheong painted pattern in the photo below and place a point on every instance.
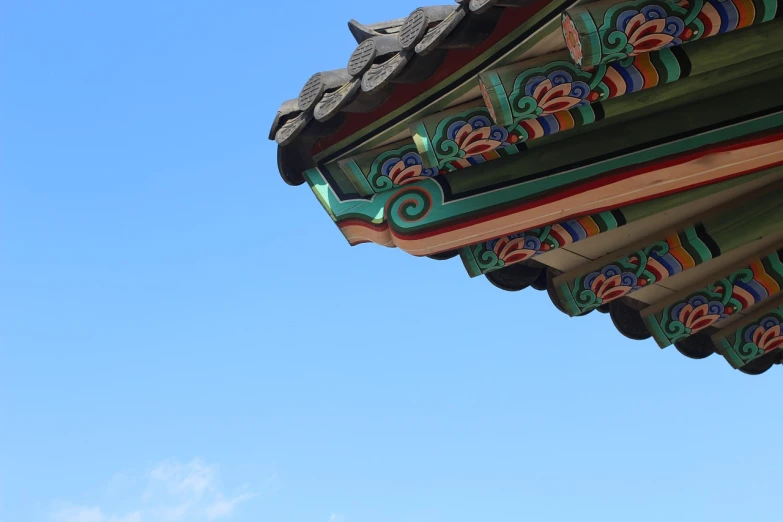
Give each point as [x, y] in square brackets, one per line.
[624, 156]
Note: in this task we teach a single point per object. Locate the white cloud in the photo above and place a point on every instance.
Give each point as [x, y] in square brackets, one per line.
[224, 507]
[130, 517]
[191, 479]
[92, 514]
[80, 514]
[334, 517]
[175, 492]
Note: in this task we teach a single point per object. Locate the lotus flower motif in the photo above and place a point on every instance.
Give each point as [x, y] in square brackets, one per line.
[555, 92]
[407, 169]
[610, 283]
[477, 135]
[698, 313]
[767, 336]
[515, 248]
[650, 29]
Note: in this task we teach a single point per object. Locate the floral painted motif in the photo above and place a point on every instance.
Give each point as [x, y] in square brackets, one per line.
[634, 27]
[515, 248]
[497, 253]
[753, 340]
[407, 169]
[699, 313]
[571, 35]
[650, 29]
[610, 283]
[477, 135]
[465, 139]
[391, 168]
[562, 87]
[767, 335]
[637, 270]
[557, 91]
[739, 291]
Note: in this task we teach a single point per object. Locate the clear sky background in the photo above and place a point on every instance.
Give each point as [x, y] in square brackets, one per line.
[185, 338]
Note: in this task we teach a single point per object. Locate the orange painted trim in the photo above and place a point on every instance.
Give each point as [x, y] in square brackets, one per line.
[644, 65]
[767, 281]
[679, 253]
[747, 13]
[604, 194]
[565, 120]
[590, 226]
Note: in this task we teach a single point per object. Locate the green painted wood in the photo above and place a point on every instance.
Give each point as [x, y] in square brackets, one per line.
[741, 78]
[463, 137]
[607, 142]
[334, 206]
[668, 253]
[752, 338]
[537, 187]
[606, 31]
[373, 210]
[499, 85]
[760, 40]
[546, 91]
[447, 151]
[424, 208]
[470, 195]
[656, 206]
[738, 78]
[321, 190]
[358, 178]
[386, 168]
[488, 142]
[488, 256]
[452, 88]
[471, 262]
[442, 146]
[339, 179]
[740, 289]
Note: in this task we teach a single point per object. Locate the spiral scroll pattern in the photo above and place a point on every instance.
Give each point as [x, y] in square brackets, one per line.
[409, 205]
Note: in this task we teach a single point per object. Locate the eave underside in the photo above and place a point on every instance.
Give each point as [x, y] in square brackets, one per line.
[650, 193]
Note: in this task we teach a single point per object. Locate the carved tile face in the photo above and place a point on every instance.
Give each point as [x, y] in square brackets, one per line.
[311, 92]
[413, 29]
[362, 58]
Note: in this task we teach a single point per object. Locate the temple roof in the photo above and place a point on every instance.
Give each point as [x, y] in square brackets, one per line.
[396, 52]
[639, 179]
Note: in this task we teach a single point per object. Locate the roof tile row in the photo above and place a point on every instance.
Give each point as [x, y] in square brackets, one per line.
[399, 51]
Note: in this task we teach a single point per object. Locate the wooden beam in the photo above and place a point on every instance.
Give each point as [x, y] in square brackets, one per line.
[748, 340]
[466, 135]
[443, 147]
[669, 253]
[383, 169]
[601, 171]
[462, 137]
[518, 28]
[423, 220]
[598, 171]
[551, 89]
[610, 141]
[717, 298]
[505, 251]
[488, 256]
[607, 31]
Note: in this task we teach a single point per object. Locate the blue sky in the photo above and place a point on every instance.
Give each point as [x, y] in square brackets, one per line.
[185, 338]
